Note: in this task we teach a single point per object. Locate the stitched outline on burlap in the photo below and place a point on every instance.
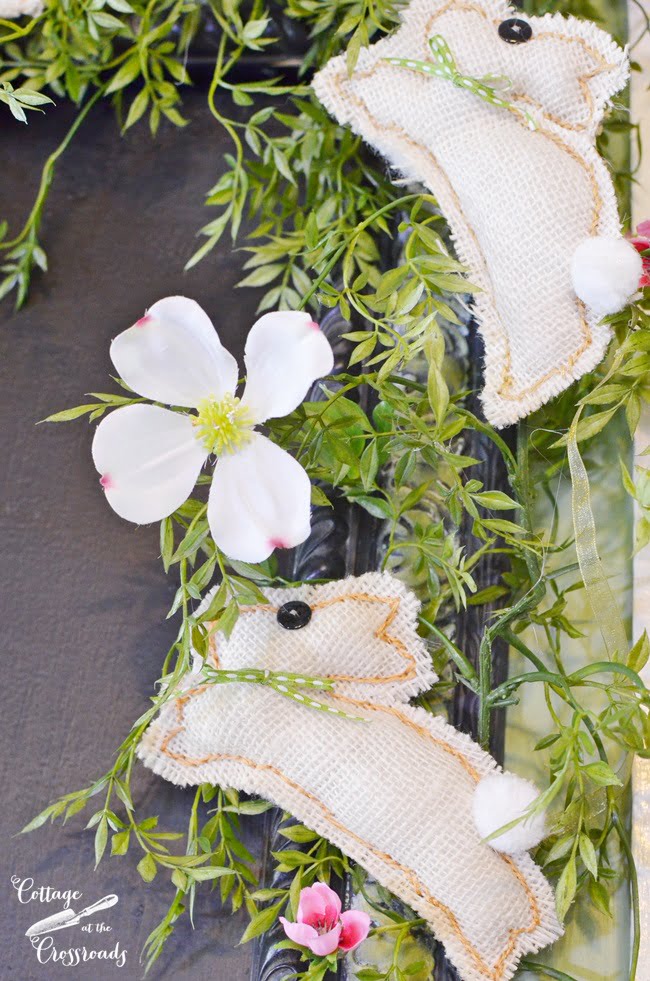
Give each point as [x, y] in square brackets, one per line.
[409, 672]
[496, 972]
[505, 387]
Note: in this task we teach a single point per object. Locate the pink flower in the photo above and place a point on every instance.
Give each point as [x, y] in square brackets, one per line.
[641, 242]
[320, 924]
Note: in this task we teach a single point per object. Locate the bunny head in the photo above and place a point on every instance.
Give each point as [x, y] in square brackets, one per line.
[360, 633]
[564, 69]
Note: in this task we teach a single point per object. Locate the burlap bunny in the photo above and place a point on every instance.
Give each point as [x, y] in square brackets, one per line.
[394, 791]
[519, 200]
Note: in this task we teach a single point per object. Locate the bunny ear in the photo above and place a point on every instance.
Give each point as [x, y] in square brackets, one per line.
[601, 65]
[372, 625]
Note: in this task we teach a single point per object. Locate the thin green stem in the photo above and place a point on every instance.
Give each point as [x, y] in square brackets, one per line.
[634, 893]
[465, 667]
[47, 174]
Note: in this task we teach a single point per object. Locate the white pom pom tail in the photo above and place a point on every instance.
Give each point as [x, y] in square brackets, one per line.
[606, 273]
[499, 799]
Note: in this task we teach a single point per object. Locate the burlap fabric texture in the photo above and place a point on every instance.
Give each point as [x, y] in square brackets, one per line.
[394, 791]
[518, 201]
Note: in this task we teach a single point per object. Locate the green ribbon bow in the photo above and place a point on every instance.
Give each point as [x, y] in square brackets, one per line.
[288, 685]
[488, 87]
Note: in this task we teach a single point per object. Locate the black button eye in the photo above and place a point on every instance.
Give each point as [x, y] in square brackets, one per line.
[515, 31]
[294, 615]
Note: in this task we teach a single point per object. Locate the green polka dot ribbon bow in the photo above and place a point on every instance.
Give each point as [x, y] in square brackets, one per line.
[294, 686]
[490, 88]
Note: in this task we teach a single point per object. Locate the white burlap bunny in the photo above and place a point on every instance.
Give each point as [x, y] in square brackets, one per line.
[395, 791]
[532, 210]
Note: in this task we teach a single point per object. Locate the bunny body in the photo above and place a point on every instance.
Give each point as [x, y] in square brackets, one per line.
[519, 201]
[393, 791]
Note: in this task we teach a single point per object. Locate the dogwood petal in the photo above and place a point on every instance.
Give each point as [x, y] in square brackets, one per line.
[173, 355]
[259, 500]
[356, 925]
[149, 459]
[285, 353]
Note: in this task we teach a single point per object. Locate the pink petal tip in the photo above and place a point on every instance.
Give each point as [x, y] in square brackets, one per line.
[278, 543]
[313, 325]
[143, 321]
[356, 926]
[106, 481]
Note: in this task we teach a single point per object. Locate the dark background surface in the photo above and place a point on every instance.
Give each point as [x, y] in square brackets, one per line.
[84, 596]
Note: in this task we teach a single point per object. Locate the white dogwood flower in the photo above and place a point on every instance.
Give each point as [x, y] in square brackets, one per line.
[149, 457]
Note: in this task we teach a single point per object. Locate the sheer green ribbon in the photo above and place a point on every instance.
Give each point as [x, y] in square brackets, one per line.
[298, 687]
[490, 88]
[601, 598]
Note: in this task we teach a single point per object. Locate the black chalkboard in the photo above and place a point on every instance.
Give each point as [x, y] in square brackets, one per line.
[84, 596]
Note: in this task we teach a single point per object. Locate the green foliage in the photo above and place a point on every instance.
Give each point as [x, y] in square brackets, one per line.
[21, 99]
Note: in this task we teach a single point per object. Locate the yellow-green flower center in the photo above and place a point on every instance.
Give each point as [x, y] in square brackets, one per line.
[223, 426]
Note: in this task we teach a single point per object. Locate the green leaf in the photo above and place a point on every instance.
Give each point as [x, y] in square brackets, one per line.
[602, 774]
[319, 498]
[638, 656]
[566, 889]
[179, 879]
[138, 108]
[298, 832]
[292, 858]
[120, 842]
[495, 501]
[126, 74]
[107, 20]
[600, 897]
[101, 837]
[227, 620]
[263, 275]
[38, 821]
[413, 968]
[588, 855]
[166, 542]
[67, 415]
[591, 425]
[191, 541]
[261, 922]
[206, 872]
[254, 28]
[376, 506]
[147, 867]
[438, 392]
[368, 465]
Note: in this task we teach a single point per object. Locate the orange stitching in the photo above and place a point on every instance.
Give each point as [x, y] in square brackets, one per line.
[494, 973]
[381, 634]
